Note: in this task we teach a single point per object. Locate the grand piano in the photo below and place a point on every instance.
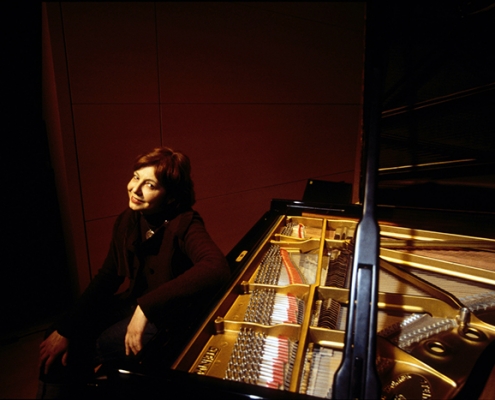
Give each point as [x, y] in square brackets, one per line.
[280, 328]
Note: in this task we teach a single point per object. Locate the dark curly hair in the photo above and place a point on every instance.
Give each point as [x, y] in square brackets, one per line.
[173, 171]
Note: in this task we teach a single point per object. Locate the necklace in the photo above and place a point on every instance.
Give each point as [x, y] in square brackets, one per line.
[150, 232]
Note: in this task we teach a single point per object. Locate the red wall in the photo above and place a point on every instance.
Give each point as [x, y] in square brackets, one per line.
[261, 96]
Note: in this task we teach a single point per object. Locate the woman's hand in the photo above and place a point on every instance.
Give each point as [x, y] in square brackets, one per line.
[51, 348]
[135, 329]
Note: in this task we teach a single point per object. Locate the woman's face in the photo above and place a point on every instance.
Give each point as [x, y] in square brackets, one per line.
[145, 192]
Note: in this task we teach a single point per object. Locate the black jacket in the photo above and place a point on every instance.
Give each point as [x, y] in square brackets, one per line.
[179, 263]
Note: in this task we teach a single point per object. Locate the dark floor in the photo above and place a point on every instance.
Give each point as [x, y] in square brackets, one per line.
[19, 366]
[19, 363]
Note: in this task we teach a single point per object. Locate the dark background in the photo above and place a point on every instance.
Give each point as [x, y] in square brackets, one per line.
[34, 268]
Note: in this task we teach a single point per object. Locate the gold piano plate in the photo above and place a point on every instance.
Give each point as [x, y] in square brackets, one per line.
[435, 310]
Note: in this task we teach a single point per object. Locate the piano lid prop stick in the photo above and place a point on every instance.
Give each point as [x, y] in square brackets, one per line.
[357, 376]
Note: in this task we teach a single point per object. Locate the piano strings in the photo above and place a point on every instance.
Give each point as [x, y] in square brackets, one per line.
[320, 365]
[277, 268]
[262, 360]
[267, 307]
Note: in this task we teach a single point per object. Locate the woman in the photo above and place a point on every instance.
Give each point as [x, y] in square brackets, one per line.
[160, 244]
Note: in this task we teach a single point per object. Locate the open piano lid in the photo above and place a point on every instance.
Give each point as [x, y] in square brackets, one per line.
[437, 131]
